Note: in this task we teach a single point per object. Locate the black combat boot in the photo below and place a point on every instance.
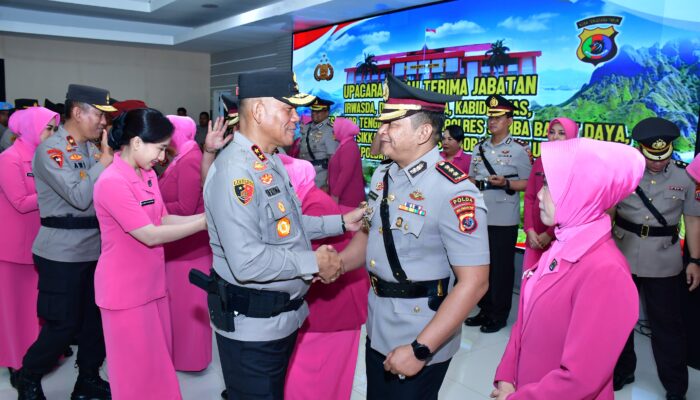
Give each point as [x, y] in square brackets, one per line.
[29, 386]
[90, 386]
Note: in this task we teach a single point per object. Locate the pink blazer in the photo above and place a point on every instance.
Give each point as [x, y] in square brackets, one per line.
[19, 211]
[566, 343]
[345, 180]
[341, 305]
[181, 188]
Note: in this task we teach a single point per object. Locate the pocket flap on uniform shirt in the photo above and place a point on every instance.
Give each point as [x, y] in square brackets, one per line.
[416, 307]
[279, 207]
[407, 222]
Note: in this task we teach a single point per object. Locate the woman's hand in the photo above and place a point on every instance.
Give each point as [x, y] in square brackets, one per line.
[533, 239]
[544, 239]
[502, 390]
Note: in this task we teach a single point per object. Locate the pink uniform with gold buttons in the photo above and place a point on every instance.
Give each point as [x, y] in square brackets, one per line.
[130, 286]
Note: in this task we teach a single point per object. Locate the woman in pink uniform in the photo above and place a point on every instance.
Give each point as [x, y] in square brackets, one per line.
[130, 284]
[346, 184]
[181, 188]
[452, 151]
[323, 363]
[578, 305]
[539, 235]
[19, 214]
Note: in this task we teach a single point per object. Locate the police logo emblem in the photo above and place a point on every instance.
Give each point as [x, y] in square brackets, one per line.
[244, 190]
[57, 156]
[266, 179]
[597, 45]
[284, 227]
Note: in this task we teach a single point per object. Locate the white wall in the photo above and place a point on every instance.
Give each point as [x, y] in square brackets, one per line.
[165, 79]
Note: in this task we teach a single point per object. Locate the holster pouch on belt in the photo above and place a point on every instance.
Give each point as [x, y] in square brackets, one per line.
[323, 163]
[435, 290]
[217, 301]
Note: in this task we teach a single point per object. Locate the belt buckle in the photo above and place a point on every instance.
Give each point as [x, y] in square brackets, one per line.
[373, 281]
[645, 232]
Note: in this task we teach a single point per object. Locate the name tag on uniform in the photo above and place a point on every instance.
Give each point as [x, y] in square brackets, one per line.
[148, 202]
[273, 191]
[29, 174]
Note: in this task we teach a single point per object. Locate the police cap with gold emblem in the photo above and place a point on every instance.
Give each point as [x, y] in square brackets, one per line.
[403, 100]
[96, 97]
[231, 107]
[321, 104]
[282, 85]
[655, 137]
[21, 104]
[58, 108]
[498, 105]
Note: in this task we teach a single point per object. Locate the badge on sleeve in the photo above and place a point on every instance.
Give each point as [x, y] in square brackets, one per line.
[244, 189]
[465, 208]
[57, 156]
[284, 227]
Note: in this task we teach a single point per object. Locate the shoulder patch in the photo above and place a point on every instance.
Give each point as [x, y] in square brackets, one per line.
[56, 155]
[680, 164]
[243, 189]
[451, 171]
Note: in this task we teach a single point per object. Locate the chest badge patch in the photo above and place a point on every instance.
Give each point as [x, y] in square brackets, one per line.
[281, 207]
[75, 157]
[243, 189]
[57, 156]
[412, 208]
[416, 195]
[266, 179]
[83, 174]
[284, 227]
[258, 166]
[379, 187]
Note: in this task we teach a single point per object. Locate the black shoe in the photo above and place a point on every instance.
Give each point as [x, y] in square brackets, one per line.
[620, 381]
[492, 326]
[29, 386]
[90, 386]
[675, 396]
[224, 394]
[13, 377]
[480, 319]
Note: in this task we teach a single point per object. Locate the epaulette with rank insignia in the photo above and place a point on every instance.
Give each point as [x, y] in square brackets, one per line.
[451, 171]
[522, 142]
[680, 164]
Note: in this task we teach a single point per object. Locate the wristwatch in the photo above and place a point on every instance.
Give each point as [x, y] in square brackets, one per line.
[694, 261]
[421, 351]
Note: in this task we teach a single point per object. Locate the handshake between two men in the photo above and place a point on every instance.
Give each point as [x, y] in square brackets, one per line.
[330, 264]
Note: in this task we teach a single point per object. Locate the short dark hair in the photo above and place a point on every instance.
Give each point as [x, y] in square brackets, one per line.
[456, 132]
[435, 119]
[71, 104]
[183, 109]
[204, 113]
[147, 123]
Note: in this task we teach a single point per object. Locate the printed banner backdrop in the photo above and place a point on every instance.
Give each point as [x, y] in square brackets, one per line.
[607, 65]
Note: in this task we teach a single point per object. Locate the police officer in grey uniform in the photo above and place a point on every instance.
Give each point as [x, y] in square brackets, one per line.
[263, 263]
[5, 109]
[500, 167]
[646, 231]
[425, 222]
[318, 142]
[9, 137]
[67, 247]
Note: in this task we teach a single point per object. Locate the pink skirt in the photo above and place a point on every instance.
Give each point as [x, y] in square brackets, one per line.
[138, 342]
[322, 366]
[20, 325]
[192, 336]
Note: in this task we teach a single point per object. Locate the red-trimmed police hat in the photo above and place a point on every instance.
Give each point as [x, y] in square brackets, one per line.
[498, 105]
[402, 100]
[282, 85]
[321, 104]
[655, 137]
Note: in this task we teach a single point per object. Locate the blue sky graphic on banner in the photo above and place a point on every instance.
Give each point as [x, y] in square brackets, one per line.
[606, 65]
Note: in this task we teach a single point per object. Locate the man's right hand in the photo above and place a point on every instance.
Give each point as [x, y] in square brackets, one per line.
[107, 152]
[330, 265]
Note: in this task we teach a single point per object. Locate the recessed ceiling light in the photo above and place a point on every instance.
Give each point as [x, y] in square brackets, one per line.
[210, 5]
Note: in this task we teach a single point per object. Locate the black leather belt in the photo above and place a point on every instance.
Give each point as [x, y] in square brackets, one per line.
[256, 303]
[70, 222]
[409, 290]
[644, 231]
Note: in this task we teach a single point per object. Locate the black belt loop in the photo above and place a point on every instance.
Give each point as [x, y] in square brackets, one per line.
[70, 222]
[644, 231]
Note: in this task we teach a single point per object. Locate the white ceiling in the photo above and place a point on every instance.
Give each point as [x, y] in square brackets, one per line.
[184, 24]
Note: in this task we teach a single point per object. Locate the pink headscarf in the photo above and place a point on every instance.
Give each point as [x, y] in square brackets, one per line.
[301, 173]
[585, 178]
[183, 135]
[570, 127]
[344, 130]
[28, 124]
[694, 169]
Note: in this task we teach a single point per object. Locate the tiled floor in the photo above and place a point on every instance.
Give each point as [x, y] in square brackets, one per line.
[469, 376]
